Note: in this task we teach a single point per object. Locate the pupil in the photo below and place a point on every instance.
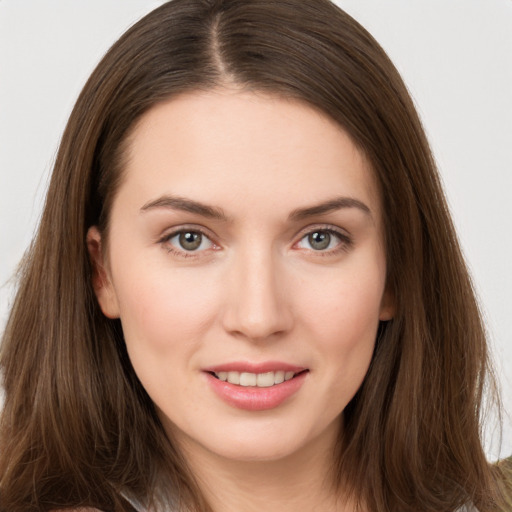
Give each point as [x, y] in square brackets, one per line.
[319, 240]
[190, 240]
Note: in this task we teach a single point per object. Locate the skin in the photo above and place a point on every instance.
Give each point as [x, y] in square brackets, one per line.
[255, 290]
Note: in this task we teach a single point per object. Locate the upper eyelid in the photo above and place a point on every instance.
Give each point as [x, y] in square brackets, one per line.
[345, 239]
[171, 232]
[323, 227]
[165, 242]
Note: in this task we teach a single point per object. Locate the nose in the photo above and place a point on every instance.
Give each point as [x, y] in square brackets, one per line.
[257, 305]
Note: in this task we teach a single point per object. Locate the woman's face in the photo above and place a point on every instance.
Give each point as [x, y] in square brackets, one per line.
[245, 247]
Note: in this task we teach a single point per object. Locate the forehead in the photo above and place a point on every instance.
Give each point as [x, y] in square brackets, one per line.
[240, 149]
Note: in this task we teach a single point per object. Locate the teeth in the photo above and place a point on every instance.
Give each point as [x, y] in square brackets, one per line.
[279, 377]
[234, 377]
[260, 380]
[265, 380]
[248, 379]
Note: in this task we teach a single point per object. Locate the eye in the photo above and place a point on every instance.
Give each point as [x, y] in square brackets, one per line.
[323, 240]
[189, 241]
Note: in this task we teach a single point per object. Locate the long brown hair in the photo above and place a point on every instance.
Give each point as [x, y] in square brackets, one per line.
[78, 429]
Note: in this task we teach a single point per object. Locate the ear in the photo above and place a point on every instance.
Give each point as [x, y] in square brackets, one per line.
[387, 305]
[101, 281]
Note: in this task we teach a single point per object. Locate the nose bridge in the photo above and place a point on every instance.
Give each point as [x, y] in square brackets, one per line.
[257, 306]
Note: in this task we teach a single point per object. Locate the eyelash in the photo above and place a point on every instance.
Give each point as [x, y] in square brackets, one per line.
[345, 241]
[165, 241]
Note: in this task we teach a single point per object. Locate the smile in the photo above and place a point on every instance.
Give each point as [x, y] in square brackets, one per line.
[260, 380]
[256, 387]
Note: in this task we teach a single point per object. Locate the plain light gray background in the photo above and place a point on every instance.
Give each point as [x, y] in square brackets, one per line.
[455, 56]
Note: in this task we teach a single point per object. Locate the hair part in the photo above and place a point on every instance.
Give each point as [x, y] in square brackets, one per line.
[78, 429]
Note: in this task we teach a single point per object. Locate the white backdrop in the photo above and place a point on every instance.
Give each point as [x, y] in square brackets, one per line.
[455, 56]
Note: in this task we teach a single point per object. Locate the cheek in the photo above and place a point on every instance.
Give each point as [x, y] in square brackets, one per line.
[342, 318]
[164, 309]
[344, 310]
[164, 315]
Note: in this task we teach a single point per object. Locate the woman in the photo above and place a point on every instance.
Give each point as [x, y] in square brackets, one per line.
[246, 290]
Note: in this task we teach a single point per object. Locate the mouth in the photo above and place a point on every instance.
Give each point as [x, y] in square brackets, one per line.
[258, 380]
[256, 387]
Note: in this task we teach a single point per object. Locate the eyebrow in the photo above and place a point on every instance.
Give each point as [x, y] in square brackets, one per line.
[186, 205]
[329, 206]
[212, 212]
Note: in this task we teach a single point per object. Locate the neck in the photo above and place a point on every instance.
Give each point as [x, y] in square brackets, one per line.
[302, 481]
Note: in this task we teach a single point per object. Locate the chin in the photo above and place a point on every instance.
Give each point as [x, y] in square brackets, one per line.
[264, 441]
[257, 450]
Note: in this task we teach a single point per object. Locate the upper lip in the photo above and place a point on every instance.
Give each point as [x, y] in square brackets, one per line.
[249, 367]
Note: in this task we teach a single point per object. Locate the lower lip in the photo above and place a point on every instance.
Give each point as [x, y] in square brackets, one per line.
[252, 398]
